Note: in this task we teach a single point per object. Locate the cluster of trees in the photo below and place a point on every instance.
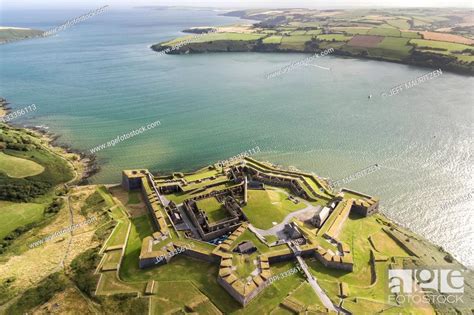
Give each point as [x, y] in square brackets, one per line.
[21, 190]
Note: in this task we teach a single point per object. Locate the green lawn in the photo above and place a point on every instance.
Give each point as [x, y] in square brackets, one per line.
[214, 209]
[141, 228]
[244, 264]
[176, 295]
[306, 295]
[387, 246]
[14, 215]
[267, 206]
[201, 175]
[18, 167]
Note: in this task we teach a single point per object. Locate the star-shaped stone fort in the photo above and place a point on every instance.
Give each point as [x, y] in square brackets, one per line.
[253, 214]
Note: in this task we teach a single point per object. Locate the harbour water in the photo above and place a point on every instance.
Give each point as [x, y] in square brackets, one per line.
[99, 79]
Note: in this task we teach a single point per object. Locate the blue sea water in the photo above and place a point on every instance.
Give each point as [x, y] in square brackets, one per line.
[99, 79]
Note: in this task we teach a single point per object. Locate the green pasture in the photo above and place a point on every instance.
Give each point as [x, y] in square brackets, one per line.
[19, 167]
[14, 215]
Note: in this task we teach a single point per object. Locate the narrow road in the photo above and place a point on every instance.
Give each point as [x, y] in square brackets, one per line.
[312, 281]
[314, 284]
[280, 226]
[61, 264]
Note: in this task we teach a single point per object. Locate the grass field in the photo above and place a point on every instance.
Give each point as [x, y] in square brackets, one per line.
[214, 209]
[267, 206]
[15, 215]
[216, 37]
[274, 39]
[306, 295]
[295, 42]
[18, 167]
[175, 295]
[384, 31]
[399, 23]
[201, 175]
[387, 246]
[394, 47]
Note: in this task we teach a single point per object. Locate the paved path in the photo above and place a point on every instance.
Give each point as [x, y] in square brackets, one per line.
[310, 209]
[314, 284]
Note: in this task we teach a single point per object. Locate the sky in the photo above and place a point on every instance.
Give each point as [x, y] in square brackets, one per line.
[317, 4]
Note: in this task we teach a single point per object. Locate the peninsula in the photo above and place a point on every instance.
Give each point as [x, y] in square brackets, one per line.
[436, 38]
[11, 34]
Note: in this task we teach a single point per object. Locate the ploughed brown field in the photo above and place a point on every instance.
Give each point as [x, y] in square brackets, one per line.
[447, 37]
[365, 40]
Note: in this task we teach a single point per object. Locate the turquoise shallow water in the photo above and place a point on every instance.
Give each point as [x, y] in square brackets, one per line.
[99, 79]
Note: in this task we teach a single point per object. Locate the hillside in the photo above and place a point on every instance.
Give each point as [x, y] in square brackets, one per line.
[437, 38]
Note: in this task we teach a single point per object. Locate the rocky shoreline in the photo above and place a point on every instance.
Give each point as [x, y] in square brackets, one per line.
[89, 163]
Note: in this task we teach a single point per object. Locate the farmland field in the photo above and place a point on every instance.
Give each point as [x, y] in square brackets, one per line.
[15, 215]
[334, 37]
[394, 46]
[296, 42]
[365, 41]
[399, 23]
[423, 43]
[384, 31]
[447, 38]
[272, 40]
